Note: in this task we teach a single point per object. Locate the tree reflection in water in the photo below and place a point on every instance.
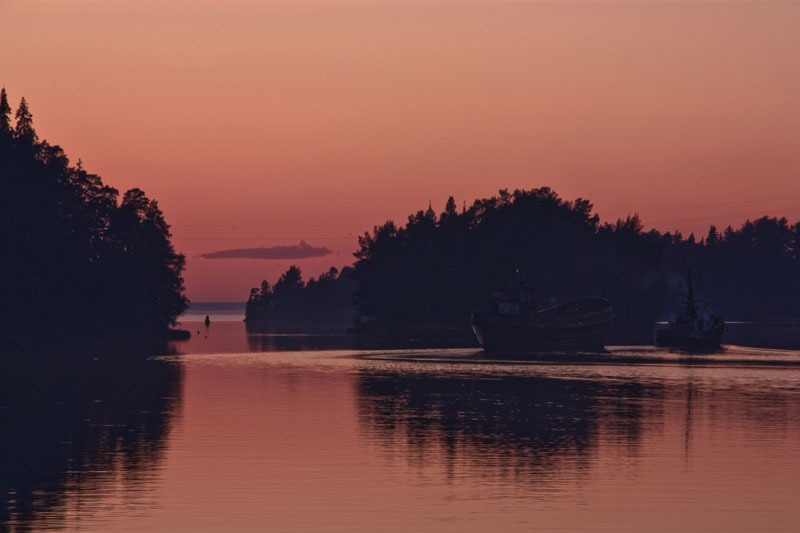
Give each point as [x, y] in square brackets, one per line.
[71, 429]
[523, 427]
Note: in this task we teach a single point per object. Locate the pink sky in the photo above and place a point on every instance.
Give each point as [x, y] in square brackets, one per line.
[264, 123]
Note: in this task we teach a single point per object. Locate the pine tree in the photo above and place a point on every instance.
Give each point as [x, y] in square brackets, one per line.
[713, 236]
[24, 130]
[450, 208]
[5, 112]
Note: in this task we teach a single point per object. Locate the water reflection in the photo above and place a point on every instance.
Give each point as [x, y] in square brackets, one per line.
[402, 441]
[275, 342]
[76, 431]
[519, 426]
[232, 337]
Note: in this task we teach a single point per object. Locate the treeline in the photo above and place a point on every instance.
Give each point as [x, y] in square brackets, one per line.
[419, 283]
[750, 273]
[324, 303]
[423, 280]
[77, 259]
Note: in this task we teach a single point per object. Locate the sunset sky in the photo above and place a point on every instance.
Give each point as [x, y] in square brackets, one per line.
[264, 123]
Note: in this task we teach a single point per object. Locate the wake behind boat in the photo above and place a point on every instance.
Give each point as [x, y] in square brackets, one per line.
[514, 325]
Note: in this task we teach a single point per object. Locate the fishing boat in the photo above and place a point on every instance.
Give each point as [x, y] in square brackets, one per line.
[695, 327]
[513, 324]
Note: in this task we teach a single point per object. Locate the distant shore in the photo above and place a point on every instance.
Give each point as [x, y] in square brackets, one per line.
[782, 333]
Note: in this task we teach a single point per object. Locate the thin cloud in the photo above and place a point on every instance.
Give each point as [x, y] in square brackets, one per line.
[303, 250]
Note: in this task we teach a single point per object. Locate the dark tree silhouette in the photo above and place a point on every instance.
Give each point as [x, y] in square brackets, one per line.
[322, 304]
[77, 262]
[751, 273]
[5, 112]
[421, 281]
[24, 131]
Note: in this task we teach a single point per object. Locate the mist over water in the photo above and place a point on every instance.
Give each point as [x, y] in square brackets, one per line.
[237, 433]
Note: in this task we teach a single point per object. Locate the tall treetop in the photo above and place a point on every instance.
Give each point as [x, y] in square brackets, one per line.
[5, 112]
[24, 130]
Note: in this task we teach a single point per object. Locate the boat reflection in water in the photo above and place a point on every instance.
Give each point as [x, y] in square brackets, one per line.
[523, 427]
[562, 438]
[74, 431]
[635, 439]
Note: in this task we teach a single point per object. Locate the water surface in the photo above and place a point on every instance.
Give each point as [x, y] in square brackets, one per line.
[224, 436]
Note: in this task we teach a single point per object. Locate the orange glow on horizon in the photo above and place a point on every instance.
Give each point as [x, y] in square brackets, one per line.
[266, 123]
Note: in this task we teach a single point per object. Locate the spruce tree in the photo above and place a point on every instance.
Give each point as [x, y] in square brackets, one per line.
[5, 112]
[24, 130]
[450, 208]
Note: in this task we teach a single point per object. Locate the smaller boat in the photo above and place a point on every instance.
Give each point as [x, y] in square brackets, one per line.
[694, 328]
[514, 325]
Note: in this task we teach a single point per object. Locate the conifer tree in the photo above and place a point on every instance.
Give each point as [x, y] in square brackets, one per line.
[450, 208]
[5, 112]
[24, 130]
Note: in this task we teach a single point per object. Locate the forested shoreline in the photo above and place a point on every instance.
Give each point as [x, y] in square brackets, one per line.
[79, 261]
[419, 283]
[323, 304]
[82, 261]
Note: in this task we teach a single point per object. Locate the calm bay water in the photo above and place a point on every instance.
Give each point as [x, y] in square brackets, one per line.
[216, 311]
[224, 436]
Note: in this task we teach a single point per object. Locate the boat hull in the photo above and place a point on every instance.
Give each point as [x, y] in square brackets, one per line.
[497, 334]
[689, 340]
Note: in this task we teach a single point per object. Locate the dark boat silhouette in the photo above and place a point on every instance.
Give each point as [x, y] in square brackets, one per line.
[695, 327]
[514, 325]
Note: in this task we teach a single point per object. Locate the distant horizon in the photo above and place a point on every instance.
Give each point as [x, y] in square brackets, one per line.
[263, 124]
[399, 265]
[220, 303]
